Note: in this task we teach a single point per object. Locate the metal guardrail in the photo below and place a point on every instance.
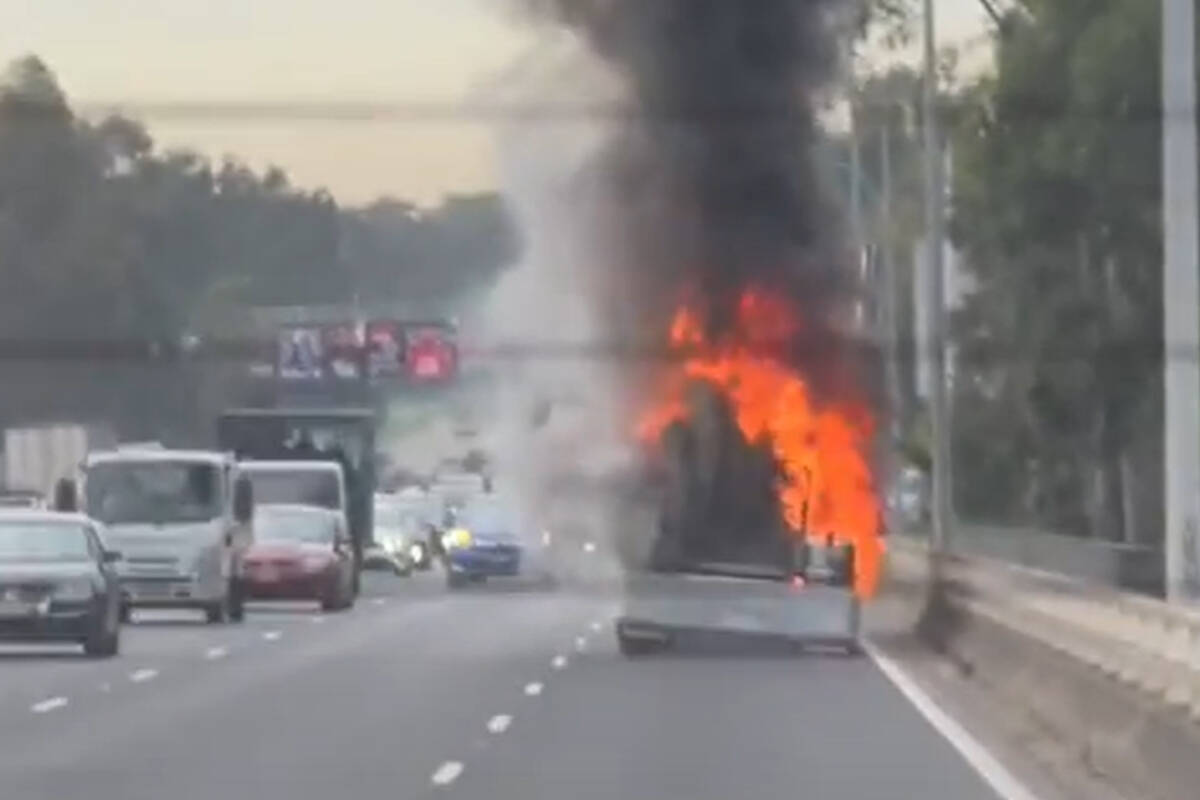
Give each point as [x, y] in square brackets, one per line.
[1140, 641]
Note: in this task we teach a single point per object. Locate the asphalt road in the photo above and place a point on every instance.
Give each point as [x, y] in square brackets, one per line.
[481, 694]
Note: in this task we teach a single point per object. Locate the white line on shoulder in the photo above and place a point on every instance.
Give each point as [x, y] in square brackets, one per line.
[995, 774]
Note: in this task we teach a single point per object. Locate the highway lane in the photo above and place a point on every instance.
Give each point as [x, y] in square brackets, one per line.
[365, 704]
[423, 693]
[745, 724]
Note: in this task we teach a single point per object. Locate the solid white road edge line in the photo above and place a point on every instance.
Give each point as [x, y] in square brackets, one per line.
[214, 653]
[271, 636]
[447, 773]
[559, 662]
[499, 723]
[143, 675]
[995, 774]
[533, 689]
[49, 704]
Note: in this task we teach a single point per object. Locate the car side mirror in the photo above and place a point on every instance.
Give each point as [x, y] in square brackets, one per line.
[66, 495]
[243, 500]
[110, 556]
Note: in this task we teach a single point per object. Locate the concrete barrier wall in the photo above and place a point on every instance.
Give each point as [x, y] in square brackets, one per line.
[1107, 675]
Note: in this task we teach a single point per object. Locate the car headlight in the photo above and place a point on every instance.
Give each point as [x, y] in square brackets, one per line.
[389, 546]
[457, 539]
[416, 552]
[74, 589]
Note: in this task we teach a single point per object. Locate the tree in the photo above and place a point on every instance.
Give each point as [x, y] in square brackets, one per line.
[1056, 208]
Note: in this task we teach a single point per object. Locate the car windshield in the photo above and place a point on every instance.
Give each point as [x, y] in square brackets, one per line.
[309, 527]
[43, 541]
[157, 492]
[313, 488]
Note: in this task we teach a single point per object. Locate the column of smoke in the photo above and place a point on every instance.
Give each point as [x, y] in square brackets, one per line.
[543, 310]
[697, 184]
[712, 185]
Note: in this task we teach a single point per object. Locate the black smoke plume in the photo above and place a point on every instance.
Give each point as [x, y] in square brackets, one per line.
[713, 175]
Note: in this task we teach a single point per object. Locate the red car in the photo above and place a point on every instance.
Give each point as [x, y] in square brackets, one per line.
[300, 553]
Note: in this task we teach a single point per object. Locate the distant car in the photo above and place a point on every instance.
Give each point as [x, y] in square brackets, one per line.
[401, 535]
[300, 553]
[58, 582]
[489, 539]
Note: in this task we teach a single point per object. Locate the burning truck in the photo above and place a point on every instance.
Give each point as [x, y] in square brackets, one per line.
[766, 515]
[758, 510]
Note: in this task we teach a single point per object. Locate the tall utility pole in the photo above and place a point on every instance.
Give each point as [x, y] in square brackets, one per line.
[1181, 302]
[935, 350]
[889, 317]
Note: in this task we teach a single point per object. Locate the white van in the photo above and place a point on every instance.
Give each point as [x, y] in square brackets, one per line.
[182, 519]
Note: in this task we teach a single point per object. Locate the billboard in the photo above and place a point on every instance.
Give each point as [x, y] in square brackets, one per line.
[344, 346]
[430, 354]
[385, 357]
[301, 354]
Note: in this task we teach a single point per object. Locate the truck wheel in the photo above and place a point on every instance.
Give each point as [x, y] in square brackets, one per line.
[237, 602]
[635, 647]
[217, 612]
[102, 642]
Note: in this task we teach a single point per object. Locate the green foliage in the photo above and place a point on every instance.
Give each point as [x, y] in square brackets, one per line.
[1056, 208]
[102, 235]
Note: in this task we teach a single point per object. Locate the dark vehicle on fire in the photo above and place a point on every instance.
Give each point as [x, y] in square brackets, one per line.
[723, 563]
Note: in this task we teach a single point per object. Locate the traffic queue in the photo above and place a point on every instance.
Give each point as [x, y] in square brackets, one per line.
[146, 527]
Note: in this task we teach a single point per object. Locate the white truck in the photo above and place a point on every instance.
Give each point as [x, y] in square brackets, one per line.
[182, 520]
[35, 457]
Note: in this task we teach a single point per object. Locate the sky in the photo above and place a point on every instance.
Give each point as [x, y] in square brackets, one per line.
[139, 54]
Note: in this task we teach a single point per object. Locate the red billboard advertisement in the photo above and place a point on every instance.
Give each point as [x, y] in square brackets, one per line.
[430, 354]
[301, 354]
[344, 347]
[385, 357]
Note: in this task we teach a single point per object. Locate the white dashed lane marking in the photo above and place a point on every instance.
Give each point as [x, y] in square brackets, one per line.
[48, 705]
[143, 675]
[213, 653]
[559, 662]
[317, 620]
[499, 723]
[271, 636]
[533, 689]
[378, 601]
[580, 643]
[447, 773]
[595, 627]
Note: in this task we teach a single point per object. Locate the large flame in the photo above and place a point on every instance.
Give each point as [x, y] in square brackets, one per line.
[821, 448]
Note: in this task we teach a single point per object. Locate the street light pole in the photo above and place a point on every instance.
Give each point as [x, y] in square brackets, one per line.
[935, 350]
[1181, 302]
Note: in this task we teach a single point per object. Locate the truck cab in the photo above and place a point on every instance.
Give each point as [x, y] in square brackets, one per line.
[182, 520]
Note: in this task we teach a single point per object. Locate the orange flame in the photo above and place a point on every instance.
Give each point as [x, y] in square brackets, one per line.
[821, 449]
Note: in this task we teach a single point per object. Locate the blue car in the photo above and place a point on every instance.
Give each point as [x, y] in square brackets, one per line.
[485, 543]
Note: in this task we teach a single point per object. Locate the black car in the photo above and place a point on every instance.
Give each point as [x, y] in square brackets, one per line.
[57, 582]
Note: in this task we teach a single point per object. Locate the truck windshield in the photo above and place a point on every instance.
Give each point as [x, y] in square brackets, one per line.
[154, 492]
[286, 486]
